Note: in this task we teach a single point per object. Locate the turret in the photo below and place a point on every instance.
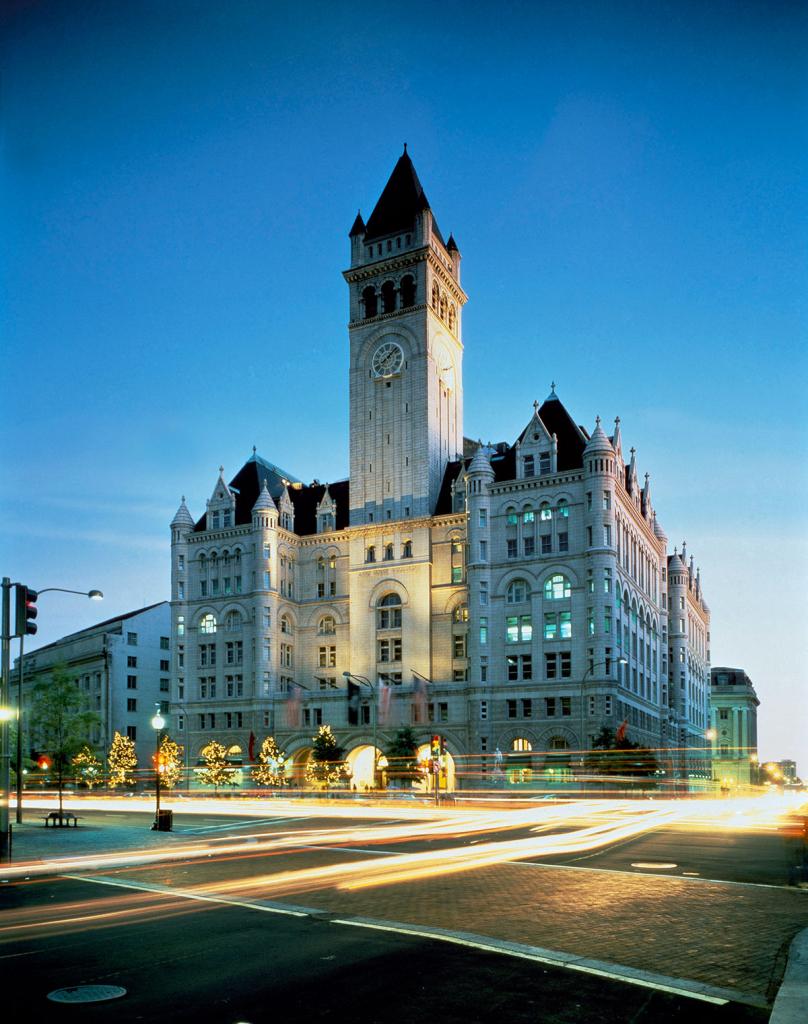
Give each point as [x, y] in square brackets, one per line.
[181, 525]
[221, 506]
[326, 513]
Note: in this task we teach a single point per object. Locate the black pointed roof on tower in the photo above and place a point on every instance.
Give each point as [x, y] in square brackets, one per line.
[402, 199]
[358, 226]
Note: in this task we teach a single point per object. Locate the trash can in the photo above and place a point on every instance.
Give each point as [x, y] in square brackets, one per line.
[165, 821]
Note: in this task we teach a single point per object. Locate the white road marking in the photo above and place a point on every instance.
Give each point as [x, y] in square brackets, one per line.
[536, 954]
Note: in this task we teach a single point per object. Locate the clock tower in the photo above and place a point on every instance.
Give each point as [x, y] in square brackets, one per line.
[406, 352]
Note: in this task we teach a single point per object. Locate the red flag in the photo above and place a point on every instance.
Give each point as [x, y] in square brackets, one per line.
[293, 707]
[420, 695]
[251, 748]
[385, 694]
[620, 735]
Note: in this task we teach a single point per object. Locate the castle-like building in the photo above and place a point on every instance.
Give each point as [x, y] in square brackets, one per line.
[513, 598]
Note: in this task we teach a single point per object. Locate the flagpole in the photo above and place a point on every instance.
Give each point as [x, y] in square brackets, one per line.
[366, 682]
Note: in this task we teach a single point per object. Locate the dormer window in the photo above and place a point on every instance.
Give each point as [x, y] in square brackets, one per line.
[544, 463]
[214, 521]
[226, 517]
[529, 466]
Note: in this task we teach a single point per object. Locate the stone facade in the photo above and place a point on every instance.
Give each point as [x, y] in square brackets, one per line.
[514, 598]
[733, 722]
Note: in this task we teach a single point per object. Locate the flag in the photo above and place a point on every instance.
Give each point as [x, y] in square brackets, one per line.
[293, 707]
[420, 695]
[385, 696]
[353, 703]
[251, 748]
[620, 735]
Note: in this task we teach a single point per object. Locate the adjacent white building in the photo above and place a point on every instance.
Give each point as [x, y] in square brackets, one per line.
[733, 727]
[514, 597]
[123, 665]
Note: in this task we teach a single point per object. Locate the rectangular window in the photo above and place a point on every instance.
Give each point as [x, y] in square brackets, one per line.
[164, 665]
[607, 581]
[563, 541]
[131, 732]
[530, 466]
[590, 622]
[483, 592]
[131, 639]
[565, 624]
[607, 704]
[546, 543]
[566, 665]
[511, 542]
[459, 675]
[607, 501]
[566, 706]
[723, 713]
[589, 536]
[131, 682]
[550, 626]
[550, 665]
[544, 463]
[164, 642]
[483, 517]
[530, 547]
[483, 710]
[527, 708]
[131, 661]
[512, 665]
[483, 550]
[550, 707]
[591, 709]
[511, 706]
[164, 685]
[131, 704]
[483, 670]
[483, 630]
[607, 535]
[460, 645]
[527, 666]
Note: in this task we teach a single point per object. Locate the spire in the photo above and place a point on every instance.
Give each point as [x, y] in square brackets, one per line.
[684, 550]
[617, 440]
[480, 463]
[264, 501]
[598, 442]
[451, 245]
[553, 397]
[183, 517]
[358, 226]
[402, 200]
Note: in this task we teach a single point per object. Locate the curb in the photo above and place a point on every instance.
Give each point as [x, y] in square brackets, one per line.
[792, 998]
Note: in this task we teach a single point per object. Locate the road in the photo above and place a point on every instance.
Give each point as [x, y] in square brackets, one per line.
[202, 922]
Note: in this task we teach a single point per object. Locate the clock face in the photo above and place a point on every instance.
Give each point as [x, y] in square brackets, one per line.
[387, 359]
[443, 362]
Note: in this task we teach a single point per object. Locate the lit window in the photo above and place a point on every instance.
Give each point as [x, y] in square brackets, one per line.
[556, 588]
[563, 508]
[528, 516]
[518, 592]
[207, 624]
[545, 512]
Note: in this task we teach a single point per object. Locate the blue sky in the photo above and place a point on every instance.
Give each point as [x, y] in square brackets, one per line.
[626, 183]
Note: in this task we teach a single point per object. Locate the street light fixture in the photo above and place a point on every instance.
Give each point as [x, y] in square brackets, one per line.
[366, 682]
[158, 724]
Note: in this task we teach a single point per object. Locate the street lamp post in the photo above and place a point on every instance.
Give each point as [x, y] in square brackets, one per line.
[589, 671]
[93, 595]
[157, 723]
[710, 735]
[366, 682]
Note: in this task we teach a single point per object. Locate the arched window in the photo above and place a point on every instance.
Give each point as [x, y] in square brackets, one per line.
[203, 562]
[452, 317]
[518, 592]
[388, 297]
[388, 552]
[406, 551]
[461, 613]
[435, 296]
[327, 626]
[232, 622]
[528, 515]
[370, 554]
[369, 301]
[545, 512]
[556, 588]
[207, 624]
[407, 291]
[512, 517]
[558, 743]
[520, 743]
[388, 619]
[286, 625]
[443, 305]
[563, 508]
[388, 614]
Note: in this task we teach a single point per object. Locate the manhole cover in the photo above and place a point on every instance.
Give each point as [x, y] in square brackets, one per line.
[86, 994]
[653, 865]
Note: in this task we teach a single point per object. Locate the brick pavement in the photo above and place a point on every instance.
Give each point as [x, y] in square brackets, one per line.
[725, 935]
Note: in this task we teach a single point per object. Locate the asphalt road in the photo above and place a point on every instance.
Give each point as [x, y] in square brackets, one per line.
[206, 963]
[246, 960]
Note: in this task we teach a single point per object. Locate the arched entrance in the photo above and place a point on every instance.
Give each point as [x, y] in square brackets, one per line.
[296, 770]
[447, 773]
[360, 761]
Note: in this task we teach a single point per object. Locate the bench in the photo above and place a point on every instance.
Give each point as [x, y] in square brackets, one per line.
[61, 820]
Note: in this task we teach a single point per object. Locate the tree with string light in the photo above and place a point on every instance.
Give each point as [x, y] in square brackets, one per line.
[122, 760]
[271, 767]
[87, 767]
[217, 771]
[327, 767]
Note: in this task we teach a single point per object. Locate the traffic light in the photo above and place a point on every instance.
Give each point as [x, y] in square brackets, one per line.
[43, 762]
[435, 746]
[26, 610]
